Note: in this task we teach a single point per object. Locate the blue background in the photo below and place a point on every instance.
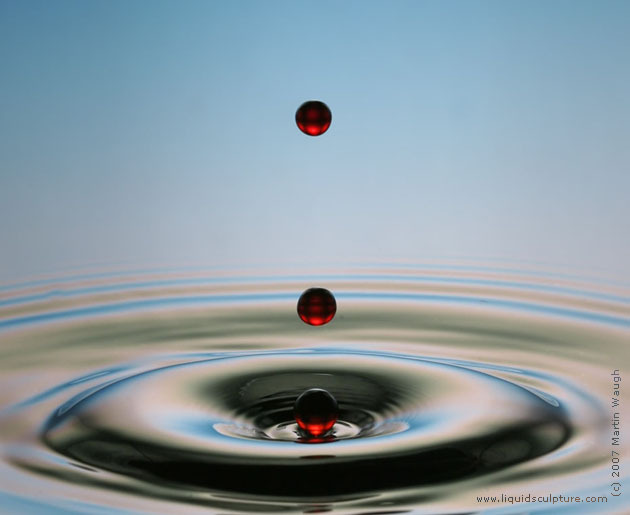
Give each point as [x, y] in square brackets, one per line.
[150, 133]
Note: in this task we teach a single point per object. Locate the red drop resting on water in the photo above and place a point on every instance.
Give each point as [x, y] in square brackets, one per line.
[316, 412]
[316, 306]
[313, 118]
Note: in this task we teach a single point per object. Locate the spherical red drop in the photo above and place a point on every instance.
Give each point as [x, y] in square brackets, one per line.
[316, 306]
[313, 117]
[316, 412]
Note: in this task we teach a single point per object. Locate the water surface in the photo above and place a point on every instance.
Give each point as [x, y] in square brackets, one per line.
[164, 391]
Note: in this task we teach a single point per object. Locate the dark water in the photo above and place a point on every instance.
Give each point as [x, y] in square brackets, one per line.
[165, 392]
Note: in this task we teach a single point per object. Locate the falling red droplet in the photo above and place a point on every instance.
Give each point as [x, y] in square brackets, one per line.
[313, 117]
[316, 306]
[316, 412]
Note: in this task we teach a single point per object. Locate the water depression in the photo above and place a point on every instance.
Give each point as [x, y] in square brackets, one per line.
[136, 392]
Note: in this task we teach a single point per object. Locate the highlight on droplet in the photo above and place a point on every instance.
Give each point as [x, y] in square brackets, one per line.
[315, 412]
[316, 306]
[313, 118]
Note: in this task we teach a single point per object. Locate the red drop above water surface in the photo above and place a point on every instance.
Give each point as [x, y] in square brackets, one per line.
[317, 306]
[313, 118]
[316, 412]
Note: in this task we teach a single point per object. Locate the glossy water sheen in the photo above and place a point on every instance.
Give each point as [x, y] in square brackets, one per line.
[173, 392]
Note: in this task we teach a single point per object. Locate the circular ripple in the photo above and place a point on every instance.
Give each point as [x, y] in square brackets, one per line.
[224, 424]
[138, 394]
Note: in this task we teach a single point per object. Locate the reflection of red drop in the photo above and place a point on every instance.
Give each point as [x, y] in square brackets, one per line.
[316, 306]
[313, 117]
[316, 412]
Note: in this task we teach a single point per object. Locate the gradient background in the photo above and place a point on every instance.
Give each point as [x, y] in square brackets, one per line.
[151, 133]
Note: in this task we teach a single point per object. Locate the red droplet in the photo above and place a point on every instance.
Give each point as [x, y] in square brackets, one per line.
[316, 306]
[313, 117]
[316, 412]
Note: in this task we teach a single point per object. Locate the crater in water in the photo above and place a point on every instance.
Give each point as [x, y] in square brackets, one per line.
[450, 383]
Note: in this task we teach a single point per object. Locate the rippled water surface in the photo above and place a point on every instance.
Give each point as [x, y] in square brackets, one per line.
[159, 392]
